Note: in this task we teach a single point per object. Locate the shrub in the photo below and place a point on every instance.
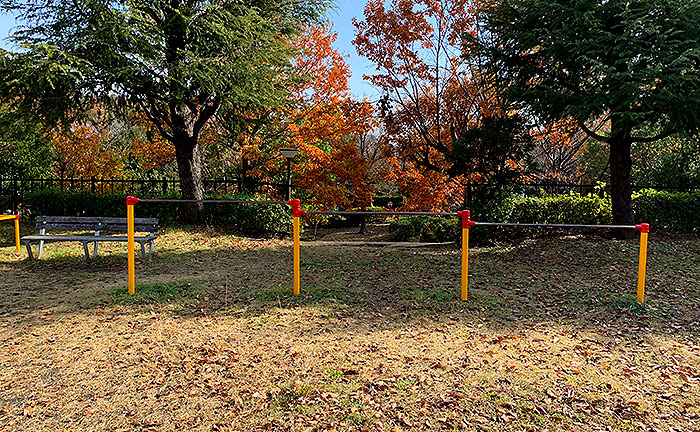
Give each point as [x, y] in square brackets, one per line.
[560, 209]
[356, 220]
[251, 218]
[59, 202]
[426, 229]
[670, 211]
[246, 218]
[407, 229]
[441, 229]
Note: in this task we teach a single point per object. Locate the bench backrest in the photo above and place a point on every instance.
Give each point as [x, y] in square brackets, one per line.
[107, 224]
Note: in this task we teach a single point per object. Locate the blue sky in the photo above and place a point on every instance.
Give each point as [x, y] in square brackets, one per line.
[341, 17]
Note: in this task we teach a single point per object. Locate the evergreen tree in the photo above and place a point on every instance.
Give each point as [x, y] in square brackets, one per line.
[629, 65]
[178, 61]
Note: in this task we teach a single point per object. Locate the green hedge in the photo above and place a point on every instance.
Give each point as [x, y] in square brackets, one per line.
[560, 209]
[426, 229]
[668, 211]
[245, 218]
[664, 211]
[251, 218]
[58, 202]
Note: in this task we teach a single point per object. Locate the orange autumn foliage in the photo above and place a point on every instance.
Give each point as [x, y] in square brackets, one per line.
[325, 124]
[84, 154]
[151, 149]
[432, 90]
[323, 121]
[98, 145]
[559, 149]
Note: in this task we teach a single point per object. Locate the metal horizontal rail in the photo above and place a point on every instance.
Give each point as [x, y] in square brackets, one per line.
[555, 225]
[387, 213]
[148, 200]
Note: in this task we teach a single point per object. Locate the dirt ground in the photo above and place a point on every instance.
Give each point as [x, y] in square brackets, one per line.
[551, 338]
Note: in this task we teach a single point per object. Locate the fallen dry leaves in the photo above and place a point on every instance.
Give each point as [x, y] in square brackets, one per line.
[377, 342]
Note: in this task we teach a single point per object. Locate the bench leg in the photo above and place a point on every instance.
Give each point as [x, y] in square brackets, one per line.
[143, 250]
[150, 247]
[94, 250]
[29, 250]
[87, 251]
[41, 243]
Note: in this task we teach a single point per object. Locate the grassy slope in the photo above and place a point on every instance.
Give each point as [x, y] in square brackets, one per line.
[551, 338]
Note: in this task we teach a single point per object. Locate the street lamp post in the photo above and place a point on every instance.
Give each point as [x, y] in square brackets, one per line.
[289, 154]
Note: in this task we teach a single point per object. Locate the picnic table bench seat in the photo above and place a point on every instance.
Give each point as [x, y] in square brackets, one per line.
[98, 226]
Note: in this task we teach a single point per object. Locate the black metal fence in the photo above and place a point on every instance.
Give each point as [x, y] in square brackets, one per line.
[17, 188]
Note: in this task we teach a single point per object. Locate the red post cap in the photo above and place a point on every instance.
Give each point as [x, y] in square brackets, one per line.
[296, 208]
[131, 200]
[16, 217]
[642, 227]
[466, 222]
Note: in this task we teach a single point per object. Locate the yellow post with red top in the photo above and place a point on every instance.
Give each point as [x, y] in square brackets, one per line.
[130, 202]
[466, 224]
[17, 233]
[297, 213]
[641, 278]
[16, 219]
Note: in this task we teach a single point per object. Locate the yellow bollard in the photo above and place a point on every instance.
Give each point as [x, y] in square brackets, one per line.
[465, 263]
[466, 224]
[17, 233]
[130, 202]
[297, 270]
[641, 279]
[297, 213]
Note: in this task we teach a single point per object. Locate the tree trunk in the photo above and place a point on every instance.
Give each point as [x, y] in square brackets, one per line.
[246, 181]
[363, 225]
[189, 169]
[620, 172]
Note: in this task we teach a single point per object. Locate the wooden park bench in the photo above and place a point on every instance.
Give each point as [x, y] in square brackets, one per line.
[98, 225]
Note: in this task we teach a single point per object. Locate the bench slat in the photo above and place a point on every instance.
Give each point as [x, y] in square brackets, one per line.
[77, 223]
[95, 227]
[68, 238]
[81, 219]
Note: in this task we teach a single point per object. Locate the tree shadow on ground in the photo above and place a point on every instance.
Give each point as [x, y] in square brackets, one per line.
[577, 281]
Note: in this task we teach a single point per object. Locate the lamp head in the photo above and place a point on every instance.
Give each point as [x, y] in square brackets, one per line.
[289, 153]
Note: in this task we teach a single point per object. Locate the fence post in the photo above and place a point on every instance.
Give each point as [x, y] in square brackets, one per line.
[641, 278]
[297, 213]
[130, 202]
[165, 186]
[466, 224]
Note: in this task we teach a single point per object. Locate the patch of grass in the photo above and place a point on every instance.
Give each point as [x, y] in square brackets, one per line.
[334, 375]
[154, 293]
